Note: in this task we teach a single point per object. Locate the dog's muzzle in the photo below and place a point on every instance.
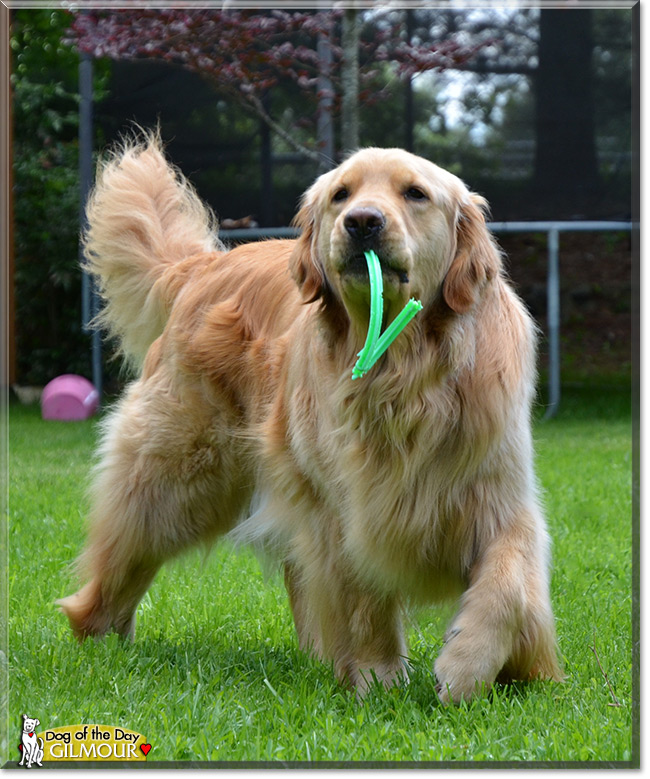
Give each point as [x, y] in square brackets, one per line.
[364, 226]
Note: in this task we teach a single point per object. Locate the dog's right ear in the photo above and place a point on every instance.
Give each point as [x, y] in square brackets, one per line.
[303, 264]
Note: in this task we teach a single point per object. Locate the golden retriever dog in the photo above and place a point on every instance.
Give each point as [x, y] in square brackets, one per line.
[411, 485]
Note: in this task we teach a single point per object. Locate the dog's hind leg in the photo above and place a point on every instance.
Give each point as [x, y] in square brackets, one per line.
[166, 481]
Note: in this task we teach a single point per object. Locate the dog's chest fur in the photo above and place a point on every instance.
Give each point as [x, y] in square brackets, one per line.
[395, 474]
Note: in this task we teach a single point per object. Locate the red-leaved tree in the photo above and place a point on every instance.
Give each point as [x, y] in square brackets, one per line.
[245, 53]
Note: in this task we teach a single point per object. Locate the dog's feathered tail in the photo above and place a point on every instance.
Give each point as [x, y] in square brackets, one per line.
[143, 217]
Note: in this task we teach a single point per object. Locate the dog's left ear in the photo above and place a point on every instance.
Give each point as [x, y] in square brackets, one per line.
[477, 259]
[305, 268]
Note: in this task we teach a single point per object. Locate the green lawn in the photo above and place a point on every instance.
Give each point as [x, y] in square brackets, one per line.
[215, 674]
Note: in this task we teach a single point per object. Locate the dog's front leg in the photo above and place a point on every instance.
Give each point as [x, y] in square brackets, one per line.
[361, 632]
[505, 622]
[378, 647]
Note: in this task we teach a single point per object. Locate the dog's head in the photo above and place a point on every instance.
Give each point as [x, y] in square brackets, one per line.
[30, 725]
[427, 229]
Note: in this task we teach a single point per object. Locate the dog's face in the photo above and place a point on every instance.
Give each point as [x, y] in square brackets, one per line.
[419, 219]
[30, 725]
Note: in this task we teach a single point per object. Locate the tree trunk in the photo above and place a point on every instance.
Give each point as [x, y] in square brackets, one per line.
[566, 164]
[350, 82]
[408, 92]
[266, 168]
[325, 120]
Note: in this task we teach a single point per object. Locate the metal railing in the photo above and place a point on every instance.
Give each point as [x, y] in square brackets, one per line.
[552, 229]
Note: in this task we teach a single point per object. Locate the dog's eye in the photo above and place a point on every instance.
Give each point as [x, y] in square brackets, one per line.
[415, 193]
[340, 194]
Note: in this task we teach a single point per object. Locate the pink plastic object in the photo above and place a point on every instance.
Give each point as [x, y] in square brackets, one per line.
[69, 398]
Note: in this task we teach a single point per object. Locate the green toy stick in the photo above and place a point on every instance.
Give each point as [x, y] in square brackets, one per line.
[376, 344]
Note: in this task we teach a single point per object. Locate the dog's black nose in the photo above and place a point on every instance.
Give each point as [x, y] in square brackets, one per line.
[364, 223]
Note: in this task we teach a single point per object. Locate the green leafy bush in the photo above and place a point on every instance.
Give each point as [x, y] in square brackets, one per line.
[49, 335]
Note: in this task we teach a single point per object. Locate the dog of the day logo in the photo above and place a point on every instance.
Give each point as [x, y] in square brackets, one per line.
[86, 743]
[31, 746]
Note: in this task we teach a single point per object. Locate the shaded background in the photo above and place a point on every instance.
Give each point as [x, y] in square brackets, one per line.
[539, 120]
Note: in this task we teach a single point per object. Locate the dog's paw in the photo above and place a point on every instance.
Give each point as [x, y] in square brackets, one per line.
[463, 669]
[454, 685]
[386, 675]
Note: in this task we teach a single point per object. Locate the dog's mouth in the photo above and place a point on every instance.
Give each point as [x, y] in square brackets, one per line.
[356, 267]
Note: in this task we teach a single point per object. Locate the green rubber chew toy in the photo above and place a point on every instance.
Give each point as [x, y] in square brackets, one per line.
[377, 344]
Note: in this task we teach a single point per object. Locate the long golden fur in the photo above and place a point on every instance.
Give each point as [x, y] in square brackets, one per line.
[413, 484]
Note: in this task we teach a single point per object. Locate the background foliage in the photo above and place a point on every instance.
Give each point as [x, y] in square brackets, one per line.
[479, 118]
[50, 340]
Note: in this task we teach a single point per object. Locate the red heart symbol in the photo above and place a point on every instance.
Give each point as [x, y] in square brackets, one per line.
[146, 748]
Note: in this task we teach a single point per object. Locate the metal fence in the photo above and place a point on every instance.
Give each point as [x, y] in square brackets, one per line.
[551, 229]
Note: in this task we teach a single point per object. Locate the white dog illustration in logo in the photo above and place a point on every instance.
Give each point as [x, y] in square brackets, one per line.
[32, 746]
